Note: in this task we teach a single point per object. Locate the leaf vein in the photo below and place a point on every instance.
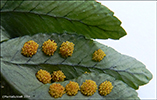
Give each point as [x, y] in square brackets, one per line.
[73, 9]
[18, 6]
[34, 7]
[51, 11]
[14, 55]
[46, 60]
[29, 59]
[59, 17]
[4, 5]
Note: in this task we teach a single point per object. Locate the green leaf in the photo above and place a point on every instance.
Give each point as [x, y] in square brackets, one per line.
[88, 18]
[4, 35]
[23, 79]
[122, 67]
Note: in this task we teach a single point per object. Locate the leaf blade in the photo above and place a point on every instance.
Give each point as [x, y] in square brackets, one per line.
[44, 17]
[36, 90]
[4, 35]
[122, 67]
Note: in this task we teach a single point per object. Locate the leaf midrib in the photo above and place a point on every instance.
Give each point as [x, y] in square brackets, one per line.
[71, 20]
[92, 67]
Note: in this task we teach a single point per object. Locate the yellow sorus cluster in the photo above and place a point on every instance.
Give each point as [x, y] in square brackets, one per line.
[43, 76]
[58, 76]
[49, 47]
[88, 87]
[72, 88]
[66, 49]
[56, 90]
[29, 48]
[98, 55]
[105, 88]
[85, 72]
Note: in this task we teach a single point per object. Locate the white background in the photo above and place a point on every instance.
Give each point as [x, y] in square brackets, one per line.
[139, 20]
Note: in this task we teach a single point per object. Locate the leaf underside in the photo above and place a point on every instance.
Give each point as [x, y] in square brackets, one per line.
[23, 79]
[121, 67]
[90, 19]
[4, 35]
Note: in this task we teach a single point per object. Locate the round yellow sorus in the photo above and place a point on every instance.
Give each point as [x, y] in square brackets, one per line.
[43, 76]
[88, 87]
[49, 47]
[98, 55]
[58, 76]
[56, 90]
[105, 88]
[29, 48]
[72, 88]
[66, 49]
[86, 72]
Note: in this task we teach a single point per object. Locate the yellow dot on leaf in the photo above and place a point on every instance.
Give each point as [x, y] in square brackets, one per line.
[66, 49]
[49, 47]
[43, 76]
[105, 88]
[58, 76]
[56, 90]
[72, 88]
[98, 55]
[88, 87]
[29, 48]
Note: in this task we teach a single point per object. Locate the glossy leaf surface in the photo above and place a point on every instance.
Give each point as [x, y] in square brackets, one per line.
[88, 18]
